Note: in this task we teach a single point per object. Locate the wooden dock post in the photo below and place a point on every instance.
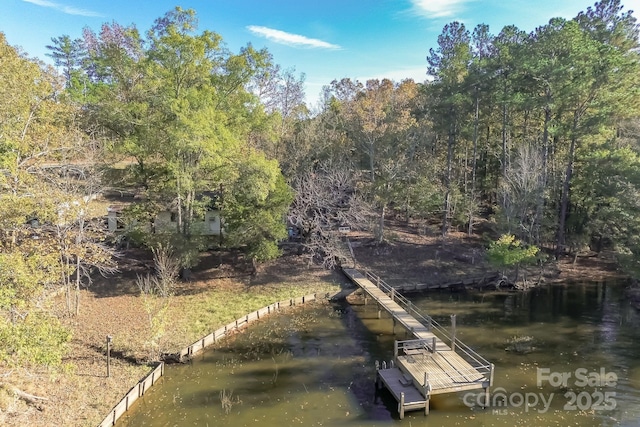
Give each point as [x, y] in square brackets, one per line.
[427, 393]
[491, 374]
[486, 398]
[486, 389]
[453, 332]
[433, 345]
[401, 406]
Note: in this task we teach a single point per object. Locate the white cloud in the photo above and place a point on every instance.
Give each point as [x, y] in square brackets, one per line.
[290, 39]
[69, 10]
[437, 8]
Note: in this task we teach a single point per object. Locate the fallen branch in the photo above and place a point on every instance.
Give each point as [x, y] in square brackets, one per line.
[29, 398]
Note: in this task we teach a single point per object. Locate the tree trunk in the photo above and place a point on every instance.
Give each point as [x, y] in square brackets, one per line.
[64, 283]
[445, 216]
[66, 276]
[179, 194]
[407, 208]
[474, 163]
[372, 165]
[380, 233]
[505, 156]
[543, 184]
[77, 291]
[447, 197]
[564, 198]
[188, 218]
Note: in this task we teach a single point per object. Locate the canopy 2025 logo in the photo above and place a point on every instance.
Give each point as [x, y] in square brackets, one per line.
[597, 398]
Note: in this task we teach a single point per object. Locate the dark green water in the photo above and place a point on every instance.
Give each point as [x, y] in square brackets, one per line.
[315, 367]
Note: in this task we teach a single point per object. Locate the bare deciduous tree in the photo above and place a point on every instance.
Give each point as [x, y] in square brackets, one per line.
[155, 291]
[326, 200]
[522, 189]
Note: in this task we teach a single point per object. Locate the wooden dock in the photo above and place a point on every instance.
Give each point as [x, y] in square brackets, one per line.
[433, 362]
[401, 387]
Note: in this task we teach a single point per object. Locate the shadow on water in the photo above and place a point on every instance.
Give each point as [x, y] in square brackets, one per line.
[316, 366]
[290, 369]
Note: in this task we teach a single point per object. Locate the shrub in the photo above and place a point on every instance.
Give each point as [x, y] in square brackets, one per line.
[39, 338]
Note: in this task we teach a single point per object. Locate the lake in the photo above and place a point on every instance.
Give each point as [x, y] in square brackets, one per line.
[564, 355]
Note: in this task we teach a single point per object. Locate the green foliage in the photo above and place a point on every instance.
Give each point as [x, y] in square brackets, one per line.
[606, 194]
[629, 261]
[527, 122]
[45, 235]
[187, 249]
[264, 250]
[67, 54]
[39, 339]
[186, 122]
[255, 205]
[607, 203]
[507, 251]
[424, 198]
[23, 276]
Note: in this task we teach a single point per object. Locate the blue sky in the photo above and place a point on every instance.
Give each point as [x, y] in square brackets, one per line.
[324, 39]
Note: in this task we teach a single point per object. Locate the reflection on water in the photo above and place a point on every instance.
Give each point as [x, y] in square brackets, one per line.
[579, 366]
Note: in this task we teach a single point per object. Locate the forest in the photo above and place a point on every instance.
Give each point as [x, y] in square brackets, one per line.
[536, 134]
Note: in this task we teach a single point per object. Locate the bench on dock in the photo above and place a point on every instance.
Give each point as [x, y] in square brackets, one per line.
[405, 380]
[416, 350]
[419, 347]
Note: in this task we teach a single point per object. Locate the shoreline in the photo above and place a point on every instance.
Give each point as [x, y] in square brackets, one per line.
[79, 392]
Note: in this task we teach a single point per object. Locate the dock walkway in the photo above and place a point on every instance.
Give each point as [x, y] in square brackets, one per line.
[433, 362]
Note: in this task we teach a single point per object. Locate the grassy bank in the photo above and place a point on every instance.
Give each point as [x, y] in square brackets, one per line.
[78, 393]
[198, 315]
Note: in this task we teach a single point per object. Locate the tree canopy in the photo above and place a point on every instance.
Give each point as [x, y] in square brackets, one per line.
[535, 132]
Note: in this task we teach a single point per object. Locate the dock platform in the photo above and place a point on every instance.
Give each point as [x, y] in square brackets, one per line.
[433, 362]
[406, 394]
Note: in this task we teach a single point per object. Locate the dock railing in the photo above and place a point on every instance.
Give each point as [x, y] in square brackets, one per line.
[479, 363]
[422, 349]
